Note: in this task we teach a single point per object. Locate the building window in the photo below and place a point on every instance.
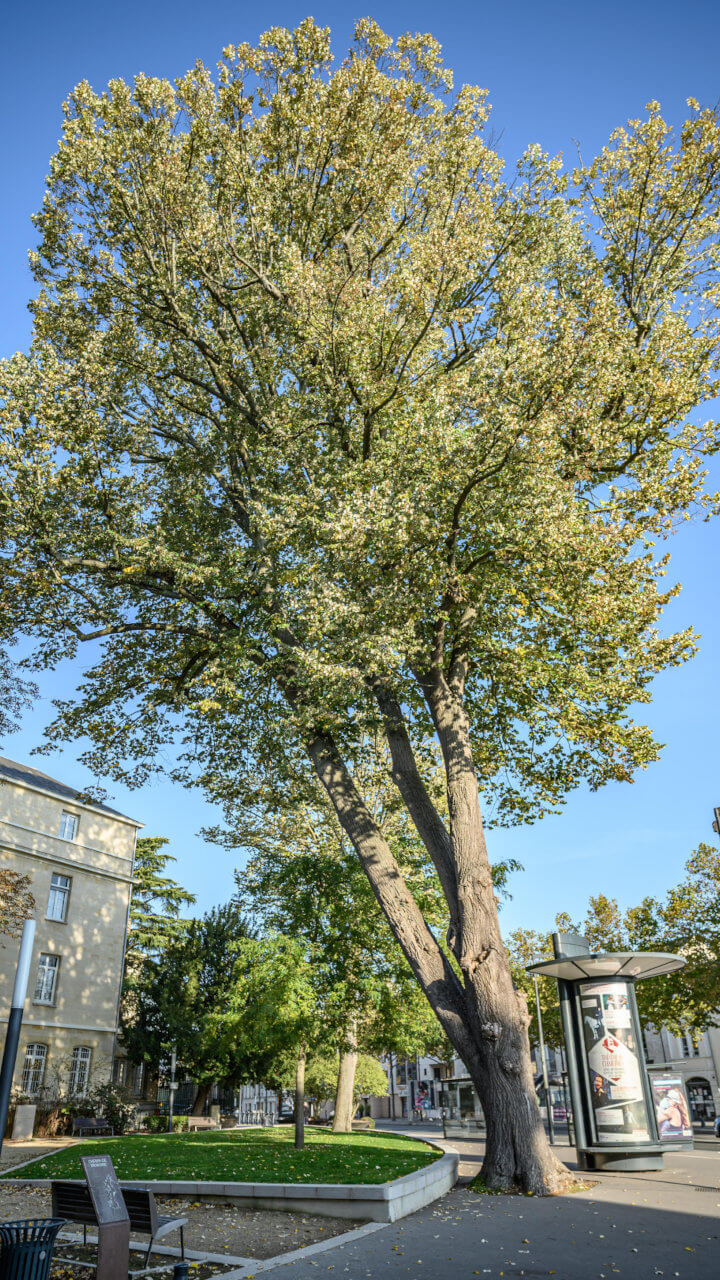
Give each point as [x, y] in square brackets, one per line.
[79, 1071]
[138, 1080]
[68, 825]
[33, 1069]
[119, 1069]
[689, 1048]
[57, 907]
[46, 981]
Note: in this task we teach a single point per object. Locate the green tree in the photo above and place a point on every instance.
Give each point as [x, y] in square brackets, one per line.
[369, 1078]
[155, 903]
[274, 1014]
[183, 1000]
[155, 921]
[685, 922]
[326, 429]
[303, 879]
[524, 947]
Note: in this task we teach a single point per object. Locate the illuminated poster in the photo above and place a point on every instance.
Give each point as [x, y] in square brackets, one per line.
[671, 1107]
[614, 1063]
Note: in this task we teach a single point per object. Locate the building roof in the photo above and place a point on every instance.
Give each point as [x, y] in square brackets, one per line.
[26, 776]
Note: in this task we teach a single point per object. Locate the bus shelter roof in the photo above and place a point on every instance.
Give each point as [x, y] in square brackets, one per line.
[632, 965]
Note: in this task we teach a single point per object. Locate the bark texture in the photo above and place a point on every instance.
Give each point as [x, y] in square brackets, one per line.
[300, 1100]
[201, 1098]
[485, 1019]
[344, 1093]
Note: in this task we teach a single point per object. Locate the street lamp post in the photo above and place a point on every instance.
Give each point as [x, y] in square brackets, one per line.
[12, 1038]
[173, 1087]
[546, 1087]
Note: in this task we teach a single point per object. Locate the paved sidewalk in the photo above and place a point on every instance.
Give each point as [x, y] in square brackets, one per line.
[14, 1153]
[629, 1225]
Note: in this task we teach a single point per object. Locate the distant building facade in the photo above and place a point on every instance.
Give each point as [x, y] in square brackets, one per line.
[79, 856]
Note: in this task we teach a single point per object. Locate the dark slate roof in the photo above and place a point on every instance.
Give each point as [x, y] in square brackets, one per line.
[24, 773]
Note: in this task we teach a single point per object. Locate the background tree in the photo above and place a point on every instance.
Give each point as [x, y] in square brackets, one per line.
[274, 1014]
[183, 1002]
[17, 903]
[156, 901]
[685, 922]
[369, 1078]
[325, 429]
[155, 905]
[304, 880]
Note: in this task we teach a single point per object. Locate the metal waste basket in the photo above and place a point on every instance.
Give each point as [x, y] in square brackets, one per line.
[26, 1248]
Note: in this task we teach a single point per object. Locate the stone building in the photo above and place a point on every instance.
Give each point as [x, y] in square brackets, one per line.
[79, 855]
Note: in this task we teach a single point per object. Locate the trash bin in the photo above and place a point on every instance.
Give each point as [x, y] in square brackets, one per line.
[26, 1248]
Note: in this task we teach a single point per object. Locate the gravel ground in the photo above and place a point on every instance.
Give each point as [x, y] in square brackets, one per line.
[212, 1227]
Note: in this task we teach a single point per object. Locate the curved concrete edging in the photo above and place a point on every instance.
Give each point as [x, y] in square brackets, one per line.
[379, 1202]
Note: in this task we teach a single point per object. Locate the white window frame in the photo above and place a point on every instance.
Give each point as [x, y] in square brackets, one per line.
[69, 823]
[80, 1070]
[58, 898]
[119, 1071]
[33, 1071]
[46, 978]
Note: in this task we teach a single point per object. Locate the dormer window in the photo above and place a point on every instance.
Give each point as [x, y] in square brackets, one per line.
[68, 825]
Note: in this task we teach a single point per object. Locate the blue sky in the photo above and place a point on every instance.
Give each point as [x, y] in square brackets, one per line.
[558, 74]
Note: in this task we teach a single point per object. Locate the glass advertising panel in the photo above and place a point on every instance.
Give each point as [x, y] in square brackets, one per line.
[671, 1107]
[614, 1063]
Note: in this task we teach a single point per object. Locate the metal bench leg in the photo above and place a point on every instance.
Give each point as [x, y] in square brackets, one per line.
[147, 1255]
[84, 1233]
[182, 1243]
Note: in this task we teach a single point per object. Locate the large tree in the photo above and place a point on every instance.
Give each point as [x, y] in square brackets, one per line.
[326, 429]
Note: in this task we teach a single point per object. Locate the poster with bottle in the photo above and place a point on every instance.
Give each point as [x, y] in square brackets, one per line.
[614, 1063]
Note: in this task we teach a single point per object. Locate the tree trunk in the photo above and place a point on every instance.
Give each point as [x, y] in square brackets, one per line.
[300, 1100]
[344, 1093]
[484, 1018]
[201, 1098]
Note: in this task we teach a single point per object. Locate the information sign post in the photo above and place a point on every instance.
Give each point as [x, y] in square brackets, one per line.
[113, 1259]
[614, 1108]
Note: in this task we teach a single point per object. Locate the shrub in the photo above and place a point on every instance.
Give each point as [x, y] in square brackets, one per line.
[159, 1123]
[113, 1105]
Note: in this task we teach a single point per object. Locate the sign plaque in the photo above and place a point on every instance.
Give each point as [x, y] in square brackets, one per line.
[113, 1218]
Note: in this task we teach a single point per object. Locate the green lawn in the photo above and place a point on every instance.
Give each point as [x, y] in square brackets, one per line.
[244, 1155]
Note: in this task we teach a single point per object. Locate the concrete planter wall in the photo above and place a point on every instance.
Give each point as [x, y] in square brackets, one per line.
[383, 1202]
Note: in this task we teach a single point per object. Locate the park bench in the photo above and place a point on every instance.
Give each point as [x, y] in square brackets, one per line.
[201, 1122]
[91, 1124]
[72, 1201]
